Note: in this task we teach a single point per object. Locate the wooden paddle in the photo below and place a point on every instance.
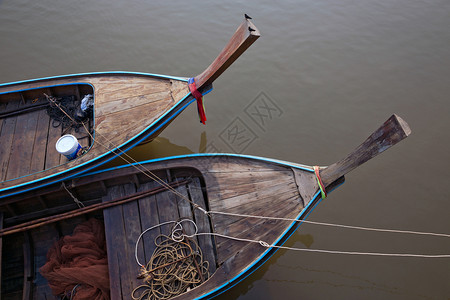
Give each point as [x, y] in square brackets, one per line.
[390, 133]
[243, 38]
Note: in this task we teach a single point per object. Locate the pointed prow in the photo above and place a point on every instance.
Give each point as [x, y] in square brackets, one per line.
[390, 133]
[243, 38]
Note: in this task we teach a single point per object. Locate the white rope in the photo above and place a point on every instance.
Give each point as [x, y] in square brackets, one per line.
[265, 244]
[75, 199]
[332, 225]
[178, 235]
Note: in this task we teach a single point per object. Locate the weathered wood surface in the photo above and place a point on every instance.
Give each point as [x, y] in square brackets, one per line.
[125, 106]
[387, 135]
[124, 224]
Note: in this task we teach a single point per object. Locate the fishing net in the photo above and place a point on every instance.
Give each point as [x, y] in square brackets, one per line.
[174, 268]
[61, 108]
[77, 265]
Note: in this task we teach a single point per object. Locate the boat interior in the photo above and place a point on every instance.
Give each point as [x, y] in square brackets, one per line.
[31, 124]
[24, 253]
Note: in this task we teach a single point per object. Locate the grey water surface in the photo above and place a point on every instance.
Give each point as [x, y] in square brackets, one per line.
[321, 78]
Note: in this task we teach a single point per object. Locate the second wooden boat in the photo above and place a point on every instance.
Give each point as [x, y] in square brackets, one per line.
[218, 192]
[128, 109]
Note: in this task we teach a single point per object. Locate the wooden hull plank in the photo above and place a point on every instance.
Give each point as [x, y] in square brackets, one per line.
[42, 238]
[149, 217]
[185, 210]
[132, 222]
[22, 146]
[203, 223]
[40, 143]
[6, 138]
[119, 274]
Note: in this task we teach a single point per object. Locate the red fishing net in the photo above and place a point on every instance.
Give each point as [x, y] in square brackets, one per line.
[79, 263]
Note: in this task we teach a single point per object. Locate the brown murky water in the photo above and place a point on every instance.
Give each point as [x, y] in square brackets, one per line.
[333, 71]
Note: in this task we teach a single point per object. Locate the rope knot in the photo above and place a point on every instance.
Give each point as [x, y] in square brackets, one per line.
[323, 191]
[264, 244]
[145, 275]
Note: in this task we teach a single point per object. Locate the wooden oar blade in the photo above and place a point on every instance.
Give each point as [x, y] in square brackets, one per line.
[390, 133]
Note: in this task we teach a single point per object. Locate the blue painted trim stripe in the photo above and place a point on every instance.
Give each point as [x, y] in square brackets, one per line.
[94, 73]
[281, 162]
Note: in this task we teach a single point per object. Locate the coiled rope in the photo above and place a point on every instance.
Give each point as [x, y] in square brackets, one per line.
[175, 267]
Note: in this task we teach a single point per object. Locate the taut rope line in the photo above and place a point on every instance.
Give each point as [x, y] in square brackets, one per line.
[177, 236]
[332, 225]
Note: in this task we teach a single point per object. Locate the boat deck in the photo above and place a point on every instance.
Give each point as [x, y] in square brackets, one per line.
[25, 253]
[28, 134]
[28, 157]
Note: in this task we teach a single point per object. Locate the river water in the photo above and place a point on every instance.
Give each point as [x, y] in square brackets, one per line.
[332, 72]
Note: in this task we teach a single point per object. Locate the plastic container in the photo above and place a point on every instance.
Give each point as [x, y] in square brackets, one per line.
[68, 146]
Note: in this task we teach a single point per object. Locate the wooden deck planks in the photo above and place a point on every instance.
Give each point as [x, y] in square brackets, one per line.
[40, 143]
[28, 272]
[118, 128]
[12, 267]
[185, 210]
[167, 209]
[6, 138]
[256, 196]
[149, 217]
[132, 222]
[234, 192]
[255, 229]
[52, 157]
[289, 208]
[22, 145]
[123, 105]
[42, 239]
[203, 224]
[109, 93]
[178, 89]
[119, 274]
[271, 208]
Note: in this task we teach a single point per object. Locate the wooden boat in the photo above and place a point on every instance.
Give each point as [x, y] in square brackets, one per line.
[221, 184]
[129, 108]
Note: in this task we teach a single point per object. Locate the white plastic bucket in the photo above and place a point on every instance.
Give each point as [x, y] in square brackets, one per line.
[68, 146]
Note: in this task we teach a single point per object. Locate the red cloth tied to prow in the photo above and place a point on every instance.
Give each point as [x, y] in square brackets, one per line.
[199, 97]
[79, 259]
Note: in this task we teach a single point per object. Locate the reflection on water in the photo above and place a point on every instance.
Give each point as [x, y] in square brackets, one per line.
[159, 147]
